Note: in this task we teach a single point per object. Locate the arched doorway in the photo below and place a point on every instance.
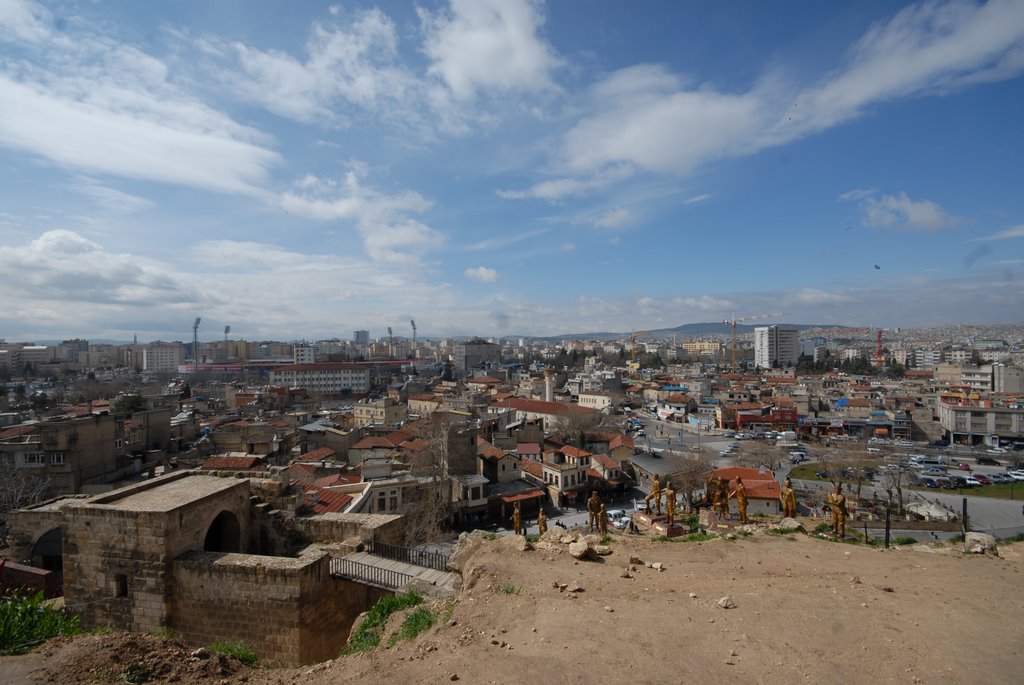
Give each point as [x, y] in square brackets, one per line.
[48, 553]
[224, 534]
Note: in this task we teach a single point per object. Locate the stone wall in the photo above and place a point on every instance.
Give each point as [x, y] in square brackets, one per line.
[332, 529]
[287, 610]
[26, 580]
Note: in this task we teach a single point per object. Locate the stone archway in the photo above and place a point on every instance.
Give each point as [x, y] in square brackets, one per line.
[48, 552]
[224, 534]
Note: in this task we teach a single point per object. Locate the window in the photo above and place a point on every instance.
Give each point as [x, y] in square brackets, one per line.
[56, 458]
[118, 443]
[122, 585]
[31, 459]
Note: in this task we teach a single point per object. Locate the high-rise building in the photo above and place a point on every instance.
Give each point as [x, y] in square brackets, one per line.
[361, 337]
[475, 354]
[164, 357]
[776, 346]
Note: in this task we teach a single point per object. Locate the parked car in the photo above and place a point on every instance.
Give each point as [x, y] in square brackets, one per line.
[905, 443]
[1000, 478]
[996, 450]
[972, 481]
[621, 523]
[933, 471]
[929, 482]
[984, 480]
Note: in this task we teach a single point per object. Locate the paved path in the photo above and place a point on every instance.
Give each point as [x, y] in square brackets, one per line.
[428, 575]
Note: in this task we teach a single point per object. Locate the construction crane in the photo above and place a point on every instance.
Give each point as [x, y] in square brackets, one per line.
[391, 345]
[732, 322]
[413, 323]
[632, 338]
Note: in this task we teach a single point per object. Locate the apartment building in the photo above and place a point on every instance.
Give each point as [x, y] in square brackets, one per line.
[163, 357]
[329, 378]
[776, 346]
[475, 354]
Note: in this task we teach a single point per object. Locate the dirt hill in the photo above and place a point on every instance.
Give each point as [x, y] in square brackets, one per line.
[806, 610]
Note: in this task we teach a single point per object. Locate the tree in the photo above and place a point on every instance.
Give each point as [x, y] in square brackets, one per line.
[126, 404]
[18, 489]
[893, 477]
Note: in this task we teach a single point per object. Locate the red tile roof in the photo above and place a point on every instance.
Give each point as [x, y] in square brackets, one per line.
[338, 479]
[571, 451]
[18, 431]
[605, 461]
[534, 468]
[541, 407]
[319, 454]
[323, 500]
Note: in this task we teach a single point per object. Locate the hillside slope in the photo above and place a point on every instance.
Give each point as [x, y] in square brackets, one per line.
[806, 610]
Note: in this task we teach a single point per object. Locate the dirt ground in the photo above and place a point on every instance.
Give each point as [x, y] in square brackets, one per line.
[806, 610]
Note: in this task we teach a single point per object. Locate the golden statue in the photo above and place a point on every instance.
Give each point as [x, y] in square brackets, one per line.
[670, 503]
[542, 522]
[593, 506]
[654, 494]
[837, 503]
[517, 519]
[740, 493]
[602, 520]
[788, 499]
[720, 501]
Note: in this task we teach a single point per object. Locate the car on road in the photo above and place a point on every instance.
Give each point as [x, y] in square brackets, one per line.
[933, 471]
[996, 450]
[987, 461]
[905, 443]
[963, 466]
[797, 457]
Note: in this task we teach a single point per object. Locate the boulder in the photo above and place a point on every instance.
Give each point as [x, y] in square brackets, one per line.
[790, 523]
[727, 603]
[580, 549]
[980, 543]
[514, 543]
[603, 550]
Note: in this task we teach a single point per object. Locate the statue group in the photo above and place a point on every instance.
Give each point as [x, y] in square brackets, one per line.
[837, 503]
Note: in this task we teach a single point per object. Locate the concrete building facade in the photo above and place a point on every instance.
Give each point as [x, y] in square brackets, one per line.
[776, 346]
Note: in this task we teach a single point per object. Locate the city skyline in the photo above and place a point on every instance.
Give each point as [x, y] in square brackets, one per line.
[506, 167]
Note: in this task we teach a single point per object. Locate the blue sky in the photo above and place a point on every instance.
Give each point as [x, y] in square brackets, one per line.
[501, 167]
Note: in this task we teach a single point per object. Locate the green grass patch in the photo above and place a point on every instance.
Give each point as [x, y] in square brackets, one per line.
[367, 635]
[532, 539]
[139, 672]
[904, 540]
[165, 633]
[28, 621]
[490, 536]
[509, 589]
[823, 528]
[606, 539]
[235, 648]
[418, 621]
[691, 537]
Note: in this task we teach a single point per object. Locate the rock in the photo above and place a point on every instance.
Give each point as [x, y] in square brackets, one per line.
[455, 676]
[658, 566]
[634, 559]
[855, 580]
[727, 603]
[562, 587]
[693, 595]
[201, 653]
[580, 549]
[749, 528]
[515, 543]
[625, 573]
[603, 550]
[980, 543]
[568, 538]
[575, 587]
[609, 610]
[790, 523]
[452, 623]
[730, 536]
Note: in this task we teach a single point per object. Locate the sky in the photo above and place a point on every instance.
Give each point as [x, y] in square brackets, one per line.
[506, 167]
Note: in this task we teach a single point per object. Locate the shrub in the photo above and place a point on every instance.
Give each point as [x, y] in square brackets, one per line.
[27, 621]
[138, 672]
[823, 528]
[420, 620]
[904, 540]
[509, 589]
[367, 635]
[235, 648]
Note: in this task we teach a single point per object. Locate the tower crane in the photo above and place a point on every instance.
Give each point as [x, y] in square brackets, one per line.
[632, 338]
[413, 322]
[732, 322]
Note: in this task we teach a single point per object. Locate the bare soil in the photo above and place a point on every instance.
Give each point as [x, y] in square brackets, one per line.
[806, 610]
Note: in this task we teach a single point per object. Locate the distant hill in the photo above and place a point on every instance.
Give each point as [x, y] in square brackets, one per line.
[686, 330]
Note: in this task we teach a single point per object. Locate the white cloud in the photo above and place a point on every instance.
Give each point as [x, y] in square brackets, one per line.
[23, 21]
[857, 194]
[482, 274]
[111, 199]
[356, 65]
[568, 247]
[613, 218]
[704, 303]
[90, 103]
[646, 119]
[925, 48]
[389, 235]
[488, 45]
[1014, 232]
[696, 199]
[814, 296]
[66, 268]
[899, 211]
[558, 188]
